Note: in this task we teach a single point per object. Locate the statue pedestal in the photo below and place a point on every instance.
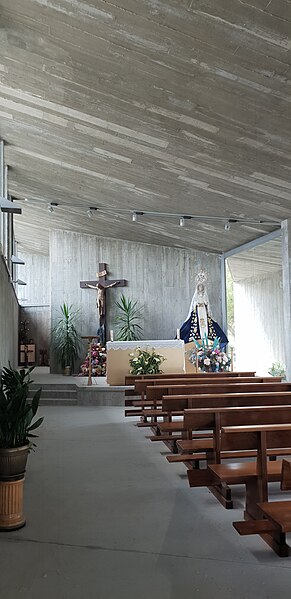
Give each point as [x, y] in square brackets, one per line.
[118, 356]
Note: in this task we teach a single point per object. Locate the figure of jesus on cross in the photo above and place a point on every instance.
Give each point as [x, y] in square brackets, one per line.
[101, 285]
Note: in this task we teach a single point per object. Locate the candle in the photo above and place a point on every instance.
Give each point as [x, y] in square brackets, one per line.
[111, 336]
[178, 333]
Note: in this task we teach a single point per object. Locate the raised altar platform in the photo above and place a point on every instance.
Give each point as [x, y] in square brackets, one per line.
[73, 390]
[118, 356]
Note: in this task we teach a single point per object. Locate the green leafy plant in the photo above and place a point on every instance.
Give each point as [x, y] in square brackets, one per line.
[277, 369]
[66, 340]
[145, 361]
[16, 410]
[128, 319]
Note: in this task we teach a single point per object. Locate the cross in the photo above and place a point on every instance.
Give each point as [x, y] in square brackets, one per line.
[101, 285]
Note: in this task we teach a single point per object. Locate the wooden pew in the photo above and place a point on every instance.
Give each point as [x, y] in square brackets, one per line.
[131, 378]
[141, 385]
[270, 520]
[215, 418]
[276, 437]
[156, 393]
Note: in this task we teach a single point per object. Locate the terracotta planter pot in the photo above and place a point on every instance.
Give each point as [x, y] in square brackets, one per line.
[12, 469]
[13, 462]
[11, 504]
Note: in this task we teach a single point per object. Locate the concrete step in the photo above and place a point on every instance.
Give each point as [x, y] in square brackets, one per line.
[55, 394]
[64, 387]
[52, 401]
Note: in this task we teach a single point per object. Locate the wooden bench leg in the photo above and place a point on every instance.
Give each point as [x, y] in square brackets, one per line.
[275, 539]
[223, 494]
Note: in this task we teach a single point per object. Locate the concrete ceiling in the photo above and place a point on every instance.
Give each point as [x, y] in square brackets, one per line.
[176, 106]
[257, 263]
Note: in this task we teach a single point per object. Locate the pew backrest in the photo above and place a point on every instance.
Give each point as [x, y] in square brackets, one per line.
[131, 378]
[141, 385]
[156, 392]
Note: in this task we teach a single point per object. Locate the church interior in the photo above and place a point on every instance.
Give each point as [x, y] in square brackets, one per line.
[145, 186]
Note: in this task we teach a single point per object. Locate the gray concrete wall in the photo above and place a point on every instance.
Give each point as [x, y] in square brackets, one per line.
[286, 277]
[161, 278]
[8, 319]
[259, 328]
[34, 299]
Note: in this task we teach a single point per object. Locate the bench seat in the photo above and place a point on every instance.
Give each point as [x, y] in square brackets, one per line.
[240, 473]
[279, 512]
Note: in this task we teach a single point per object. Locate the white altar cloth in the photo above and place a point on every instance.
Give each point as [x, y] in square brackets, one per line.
[118, 357]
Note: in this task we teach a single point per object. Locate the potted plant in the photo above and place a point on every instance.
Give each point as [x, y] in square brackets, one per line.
[128, 319]
[66, 340]
[145, 361]
[17, 412]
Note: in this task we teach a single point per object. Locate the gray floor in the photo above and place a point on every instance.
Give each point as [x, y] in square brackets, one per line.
[109, 518]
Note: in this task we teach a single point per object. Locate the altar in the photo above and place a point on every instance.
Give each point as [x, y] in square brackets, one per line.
[118, 356]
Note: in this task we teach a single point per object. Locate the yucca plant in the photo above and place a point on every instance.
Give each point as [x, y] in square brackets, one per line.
[16, 410]
[66, 340]
[128, 319]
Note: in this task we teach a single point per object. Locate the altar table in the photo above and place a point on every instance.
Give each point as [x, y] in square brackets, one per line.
[118, 356]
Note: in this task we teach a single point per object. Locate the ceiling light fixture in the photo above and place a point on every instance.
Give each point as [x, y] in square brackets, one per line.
[90, 211]
[203, 218]
[16, 260]
[52, 206]
[19, 282]
[135, 216]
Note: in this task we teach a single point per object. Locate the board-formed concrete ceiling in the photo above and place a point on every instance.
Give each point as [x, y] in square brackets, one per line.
[259, 262]
[176, 106]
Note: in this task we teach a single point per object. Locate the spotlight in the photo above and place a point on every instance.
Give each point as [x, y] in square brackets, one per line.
[51, 207]
[135, 216]
[20, 282]
[16, 260]
[227, 226]
[90, 211]
[182, 221]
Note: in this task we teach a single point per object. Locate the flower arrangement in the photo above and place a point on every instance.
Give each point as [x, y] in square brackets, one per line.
[98, 361]
[208, 356]
[145, 361]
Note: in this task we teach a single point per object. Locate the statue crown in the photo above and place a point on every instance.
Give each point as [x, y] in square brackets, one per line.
[201, 277]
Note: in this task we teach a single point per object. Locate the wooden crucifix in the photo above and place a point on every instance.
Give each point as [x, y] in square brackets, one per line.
[101, 285]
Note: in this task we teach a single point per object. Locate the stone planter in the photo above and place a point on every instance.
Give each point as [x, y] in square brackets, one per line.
[13, 461]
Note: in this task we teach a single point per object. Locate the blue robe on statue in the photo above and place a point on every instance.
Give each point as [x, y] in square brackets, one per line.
[190, 329]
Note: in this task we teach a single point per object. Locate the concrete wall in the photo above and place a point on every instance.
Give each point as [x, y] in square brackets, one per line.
[8, 319]
[259, 329]
[161, 278]
[34, 299]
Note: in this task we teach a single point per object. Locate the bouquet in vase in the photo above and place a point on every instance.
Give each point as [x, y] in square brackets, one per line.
[208, 356]
[98, 361]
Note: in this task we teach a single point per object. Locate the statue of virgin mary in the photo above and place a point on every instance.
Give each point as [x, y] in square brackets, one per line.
[199, 323]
